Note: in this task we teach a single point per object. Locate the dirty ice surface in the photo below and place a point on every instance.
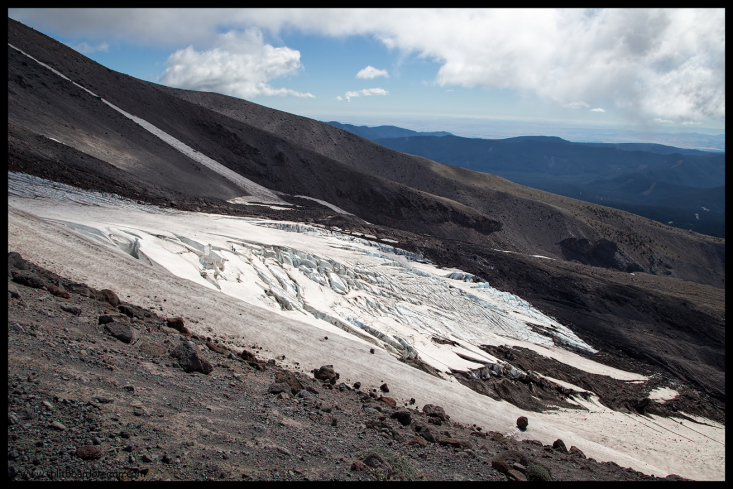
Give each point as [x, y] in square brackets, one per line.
[288, 286]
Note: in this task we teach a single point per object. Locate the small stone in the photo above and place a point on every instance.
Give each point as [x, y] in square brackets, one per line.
[58, 426]
[522, 423]
[384, 388]
[357, 385]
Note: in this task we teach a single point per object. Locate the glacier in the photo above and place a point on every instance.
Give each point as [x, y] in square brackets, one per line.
[376, 292]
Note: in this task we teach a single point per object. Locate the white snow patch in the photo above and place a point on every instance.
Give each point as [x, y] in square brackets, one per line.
[663, 394]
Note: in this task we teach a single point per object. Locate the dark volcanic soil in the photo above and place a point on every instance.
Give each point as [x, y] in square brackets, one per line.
[84, 405]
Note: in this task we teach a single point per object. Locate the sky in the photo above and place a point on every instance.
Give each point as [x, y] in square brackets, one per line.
[644, 70]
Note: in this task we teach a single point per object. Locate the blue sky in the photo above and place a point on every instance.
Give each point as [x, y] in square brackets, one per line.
[633, 70]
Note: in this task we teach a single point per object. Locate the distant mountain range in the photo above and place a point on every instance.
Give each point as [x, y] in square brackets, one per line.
[374, 133]
[677, 186]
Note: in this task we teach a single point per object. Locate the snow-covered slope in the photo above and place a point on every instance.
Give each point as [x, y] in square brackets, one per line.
[289, 286]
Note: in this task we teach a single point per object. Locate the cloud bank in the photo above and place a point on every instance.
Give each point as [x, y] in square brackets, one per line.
[241, 65]
[371, 72]
[649, 63]
[362, 93]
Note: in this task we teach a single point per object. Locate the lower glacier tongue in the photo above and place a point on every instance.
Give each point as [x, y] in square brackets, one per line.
[373, 291]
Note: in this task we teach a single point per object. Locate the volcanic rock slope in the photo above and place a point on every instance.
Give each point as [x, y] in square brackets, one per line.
[666, 317]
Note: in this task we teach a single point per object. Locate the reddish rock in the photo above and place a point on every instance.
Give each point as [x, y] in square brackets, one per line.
[500, 466]
[384, 388]
[326, 372]
[109, 296]
[417, 440]
[89, 452]
[388, 401]
[59, 292]
[454, 442]
[177, 324]
[522, 423]
[359, 465]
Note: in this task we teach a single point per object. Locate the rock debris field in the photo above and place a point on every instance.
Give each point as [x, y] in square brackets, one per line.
[99, 389]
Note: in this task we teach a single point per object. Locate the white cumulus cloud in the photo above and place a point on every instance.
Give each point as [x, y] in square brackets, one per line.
[241, 65]
[597, 109]
[576, 105]
[371, 72]
[362, 93]
[666, 63]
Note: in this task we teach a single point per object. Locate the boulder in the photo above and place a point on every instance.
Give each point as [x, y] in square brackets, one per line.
[278, 387]
[28, 278]
[384, 388]
[576, 452]
[377, 462]
[81, 289]
[403, 417]
[120, 330]
[177, 324]
[16, 261]
[388, 401]
[109, 296]
[190, 359]
[327, 373]
[522, 423]
[416, 440]
[454, 442]
[560, 445]
[500, 466]
[515, 475]
[89, 452]
[13, 291]
[290, 379]
[435, 412]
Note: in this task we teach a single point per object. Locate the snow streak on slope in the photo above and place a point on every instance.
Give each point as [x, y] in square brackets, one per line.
[375, 292]
[254, 190]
